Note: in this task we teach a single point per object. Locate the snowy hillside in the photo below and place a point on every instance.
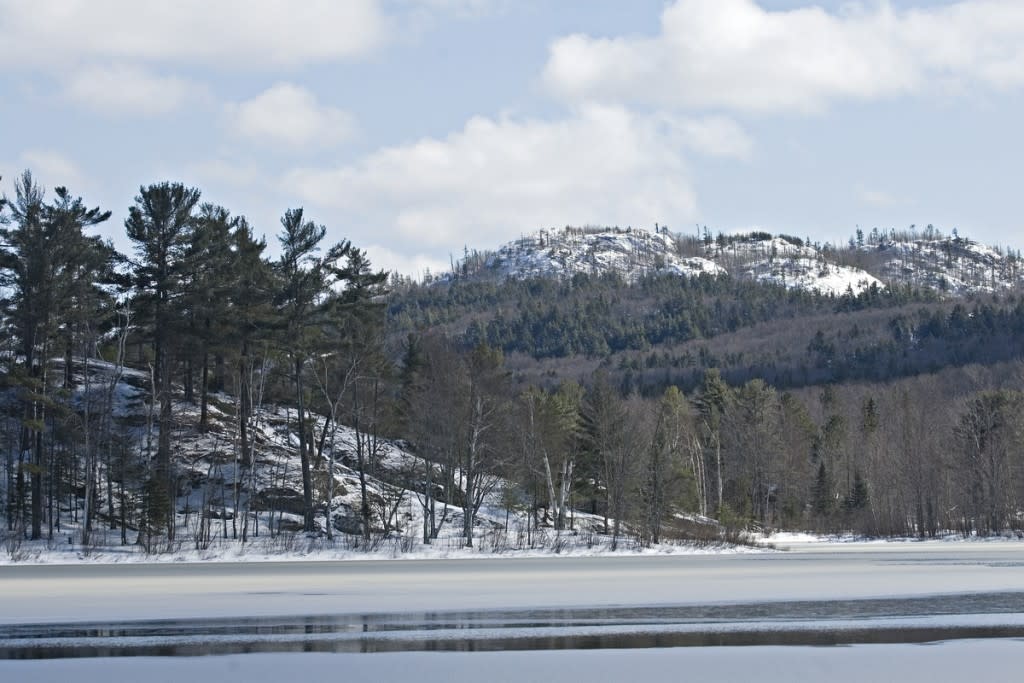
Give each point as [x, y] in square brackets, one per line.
[229, 505]
[779, 261]
[631, 253]
[951, 265]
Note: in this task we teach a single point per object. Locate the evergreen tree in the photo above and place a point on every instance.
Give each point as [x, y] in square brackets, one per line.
[355, 368]
[303, 284]
[712, 403]
[822, 499]
[251, 319]
[160, 225]
[485, 404]
[664, 471]
[312, 289]
[209, 282]
[47, 267]
[607, 433]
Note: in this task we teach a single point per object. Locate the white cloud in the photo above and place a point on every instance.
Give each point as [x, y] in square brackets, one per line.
[715, 136]
[233, 33]
[495, 179]
[124, 90]
[415, 265]
[50, 169]
[225, 173]
[457, 8]
[290, 115]
[733, 54]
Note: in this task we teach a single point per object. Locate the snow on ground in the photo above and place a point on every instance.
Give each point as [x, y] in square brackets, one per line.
[953, 265]
[778, 261]
[213, 479]
[221, 498]
[784, 540]
[496, 542]
[631, 252]
[636, 252]
[297, 547]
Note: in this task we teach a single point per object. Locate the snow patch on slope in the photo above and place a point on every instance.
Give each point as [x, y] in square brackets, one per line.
[633, 253]
[630, 252]
[953, 265]
[778, 261]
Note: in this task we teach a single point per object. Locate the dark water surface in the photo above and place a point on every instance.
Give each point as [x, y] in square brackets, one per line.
[809, 622]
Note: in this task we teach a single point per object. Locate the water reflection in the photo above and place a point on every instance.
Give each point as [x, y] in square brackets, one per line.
[903, 620]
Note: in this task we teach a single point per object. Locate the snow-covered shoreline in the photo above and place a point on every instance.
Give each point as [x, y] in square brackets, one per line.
[299, 548]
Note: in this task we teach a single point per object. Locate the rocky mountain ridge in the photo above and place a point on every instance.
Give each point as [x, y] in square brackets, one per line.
[950, 265]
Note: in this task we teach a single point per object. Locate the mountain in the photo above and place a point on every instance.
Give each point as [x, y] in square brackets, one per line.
[793, 264]
[947, 265]
[952, 265]
[632, 253]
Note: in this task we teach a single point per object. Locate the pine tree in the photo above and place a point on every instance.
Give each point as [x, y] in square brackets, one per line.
[312, 289]
[160, 224]
[712, 403]
[251, 321]
[606, 422]
[858, 496]
[209, 281]
[47, 269]
[354, 366]
[822, 499]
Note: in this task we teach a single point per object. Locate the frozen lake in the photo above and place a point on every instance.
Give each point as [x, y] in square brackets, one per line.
[70, 593]
[962, 660]
[877, 597]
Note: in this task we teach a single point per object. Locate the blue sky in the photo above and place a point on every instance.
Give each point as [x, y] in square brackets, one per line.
[417, 127]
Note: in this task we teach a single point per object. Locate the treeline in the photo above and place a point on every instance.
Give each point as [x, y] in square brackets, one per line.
[922, 455]
[915, 457]
[595, 315]
[199, 308]
[668, 331]
[866, 345]
[654, 406]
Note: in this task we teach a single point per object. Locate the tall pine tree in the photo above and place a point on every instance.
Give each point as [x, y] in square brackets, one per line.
[160, 226]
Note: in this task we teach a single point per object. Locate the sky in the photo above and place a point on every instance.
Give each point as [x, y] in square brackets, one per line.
[420, 128]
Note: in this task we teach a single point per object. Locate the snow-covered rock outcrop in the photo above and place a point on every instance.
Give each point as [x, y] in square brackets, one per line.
[948, 265]
[629, 252]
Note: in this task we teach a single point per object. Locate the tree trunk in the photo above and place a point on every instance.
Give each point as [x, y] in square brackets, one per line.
[364, 505]
[307, 479]
[203, 384]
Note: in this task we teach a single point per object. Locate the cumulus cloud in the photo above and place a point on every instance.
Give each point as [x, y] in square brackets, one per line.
[119, 89]
[234, 33]
[288, 114]
[497, 178]
[733, 54]
[714, 136]
[458, 8]
[48, 167]
[229, 173]
[415, 265]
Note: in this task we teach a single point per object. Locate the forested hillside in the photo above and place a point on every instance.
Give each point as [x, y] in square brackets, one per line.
[641, 382]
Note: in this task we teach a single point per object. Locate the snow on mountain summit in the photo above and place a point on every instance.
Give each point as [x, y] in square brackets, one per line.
[631, 252]
[953, 264]
[796, 266]
[947, 265]
[635, 252]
